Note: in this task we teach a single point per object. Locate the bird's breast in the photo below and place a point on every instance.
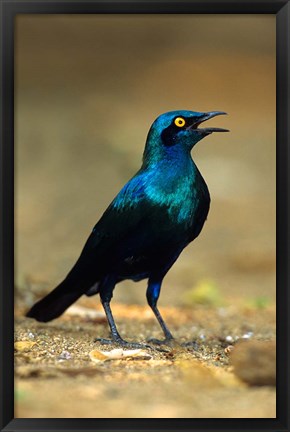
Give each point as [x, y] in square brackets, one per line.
[184, 198]
[181, 195]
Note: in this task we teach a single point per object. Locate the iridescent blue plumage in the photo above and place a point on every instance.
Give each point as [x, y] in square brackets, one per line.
[146, 227]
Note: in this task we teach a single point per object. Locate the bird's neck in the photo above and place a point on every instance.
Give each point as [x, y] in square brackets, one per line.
[173, 158]
[174, 172]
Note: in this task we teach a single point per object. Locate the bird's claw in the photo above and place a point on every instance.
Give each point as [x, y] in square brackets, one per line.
[121, 342]
[192, 344]
[104, 341]
[166, 341]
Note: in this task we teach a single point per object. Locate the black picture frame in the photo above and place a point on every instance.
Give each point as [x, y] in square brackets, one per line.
[8, 10]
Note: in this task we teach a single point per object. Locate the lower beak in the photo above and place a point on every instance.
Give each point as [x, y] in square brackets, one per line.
[206, 117]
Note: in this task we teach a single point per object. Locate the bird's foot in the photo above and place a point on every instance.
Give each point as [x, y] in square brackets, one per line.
[121, 342]
[192, 344]
[104, 341]
[167, 341]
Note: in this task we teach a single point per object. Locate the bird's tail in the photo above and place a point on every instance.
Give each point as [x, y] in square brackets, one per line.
[55, 303]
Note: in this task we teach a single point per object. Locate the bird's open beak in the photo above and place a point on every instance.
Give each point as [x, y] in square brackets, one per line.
[205, 117]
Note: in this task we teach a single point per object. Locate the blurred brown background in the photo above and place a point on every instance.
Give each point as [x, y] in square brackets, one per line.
[87, 91]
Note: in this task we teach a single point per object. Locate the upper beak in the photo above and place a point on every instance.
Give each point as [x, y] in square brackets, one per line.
[205, 117]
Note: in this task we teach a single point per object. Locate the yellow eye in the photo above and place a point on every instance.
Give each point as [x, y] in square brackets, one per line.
[179, 122]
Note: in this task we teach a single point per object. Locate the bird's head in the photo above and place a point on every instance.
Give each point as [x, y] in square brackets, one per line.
[178, 131]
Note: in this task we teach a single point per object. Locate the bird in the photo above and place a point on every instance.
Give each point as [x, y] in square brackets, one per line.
[157, 213]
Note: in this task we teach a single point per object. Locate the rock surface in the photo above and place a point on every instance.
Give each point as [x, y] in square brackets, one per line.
[254, 362]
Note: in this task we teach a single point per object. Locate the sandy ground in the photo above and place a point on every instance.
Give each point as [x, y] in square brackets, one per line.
[194, 377]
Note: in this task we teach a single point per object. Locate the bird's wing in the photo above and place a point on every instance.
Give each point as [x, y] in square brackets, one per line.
[127, 227]
[123, 216]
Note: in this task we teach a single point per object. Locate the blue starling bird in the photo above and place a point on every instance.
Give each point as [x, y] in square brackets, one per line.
[146, 227]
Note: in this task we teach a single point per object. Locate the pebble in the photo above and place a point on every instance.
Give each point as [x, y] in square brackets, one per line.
[229, 349]
[254, 362]
[65, 355]
[23, 345]
[247, 335]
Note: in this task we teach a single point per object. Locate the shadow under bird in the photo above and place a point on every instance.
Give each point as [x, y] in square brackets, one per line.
[145, 228]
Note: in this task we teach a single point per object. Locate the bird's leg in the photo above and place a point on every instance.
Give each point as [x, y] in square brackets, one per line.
[152, 295]
[116, 338]
[114, 332]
